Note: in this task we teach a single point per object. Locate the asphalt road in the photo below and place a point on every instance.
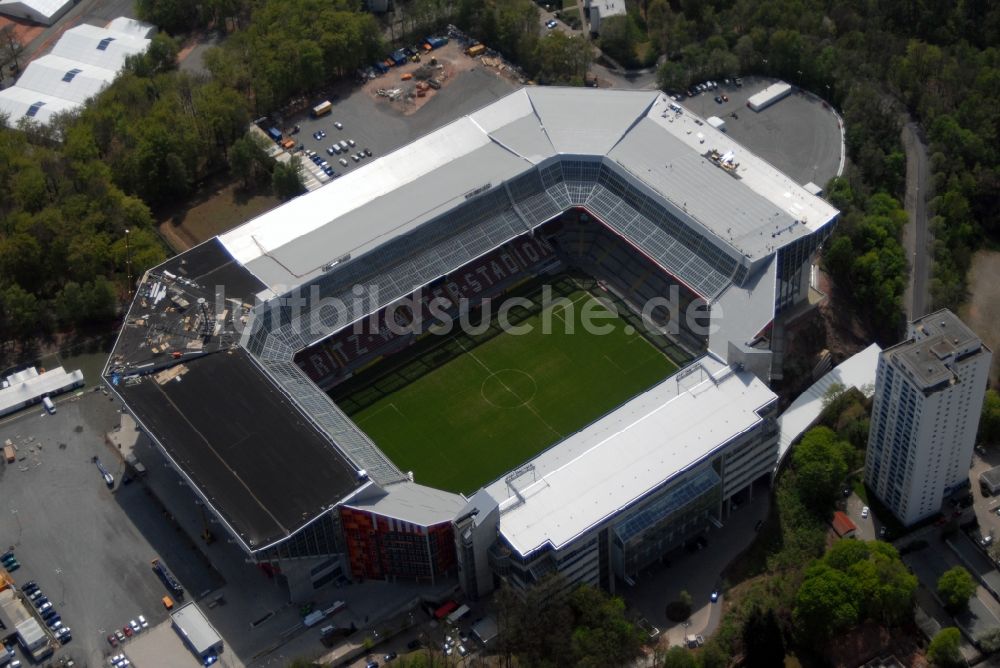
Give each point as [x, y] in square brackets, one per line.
[916, 236]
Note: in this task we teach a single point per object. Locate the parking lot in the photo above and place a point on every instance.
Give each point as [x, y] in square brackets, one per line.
[88, 547]
[799, 134]
[383, 125]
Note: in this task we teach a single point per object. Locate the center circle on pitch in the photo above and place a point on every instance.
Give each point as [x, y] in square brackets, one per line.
[509, 388]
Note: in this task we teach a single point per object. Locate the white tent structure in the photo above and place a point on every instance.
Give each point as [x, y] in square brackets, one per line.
[45, 12]
[102, 47]
[132, 27]
[17, 103]
[83, 62]
[65, 78]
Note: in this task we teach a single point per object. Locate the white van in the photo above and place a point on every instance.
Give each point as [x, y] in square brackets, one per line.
[49, 406]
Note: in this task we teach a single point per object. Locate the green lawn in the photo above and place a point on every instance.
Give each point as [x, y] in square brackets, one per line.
[484, 412]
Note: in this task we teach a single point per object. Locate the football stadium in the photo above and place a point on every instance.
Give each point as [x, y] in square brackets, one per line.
[536, 340]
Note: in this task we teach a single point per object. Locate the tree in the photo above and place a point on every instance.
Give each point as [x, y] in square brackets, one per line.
[248, 159]
[563, 59]
[678, 657]
[21, 312]
[826, 603]
[11, 48]
[603, 636]
[955, 587]
[713, 656]
[763, 644]
[286, 179]
[820, 467]
[943, 651]
[989, 422]
[619, 35]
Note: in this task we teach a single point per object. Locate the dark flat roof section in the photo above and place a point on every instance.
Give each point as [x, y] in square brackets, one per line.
[259, 461]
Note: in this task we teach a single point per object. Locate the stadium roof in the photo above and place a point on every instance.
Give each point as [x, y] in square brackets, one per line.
[409, 502]
[745, 210]
[242, 443]
[634, 160]
[627, 454]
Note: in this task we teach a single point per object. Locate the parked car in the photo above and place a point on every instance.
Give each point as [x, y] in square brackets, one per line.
[127, 630]
[368, 152]
[355, 157]
[135, 626]
[64, 635]
[112, 640]
[119, 635]
[715, 596]
[338, 125]
[351, 142]
[329, 151]
[550, 24]
[143, 623]
[344, 162]
[864, 513]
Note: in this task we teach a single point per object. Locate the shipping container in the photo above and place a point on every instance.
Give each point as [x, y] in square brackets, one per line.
[274, 133]
[322, 109]
[476, 50]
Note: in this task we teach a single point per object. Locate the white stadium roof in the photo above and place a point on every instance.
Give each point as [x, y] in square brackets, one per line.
[84, 60]
[625, 455]
[747, 212]
[42, 11]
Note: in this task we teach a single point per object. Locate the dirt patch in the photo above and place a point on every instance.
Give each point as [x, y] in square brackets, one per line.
[216, 210]
[25, 32]
[445, 65]
[982, 310]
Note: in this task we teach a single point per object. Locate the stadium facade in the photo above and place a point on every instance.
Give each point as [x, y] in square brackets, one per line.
[229, 350]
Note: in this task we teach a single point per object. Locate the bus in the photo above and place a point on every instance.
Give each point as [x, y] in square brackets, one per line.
[322, 109]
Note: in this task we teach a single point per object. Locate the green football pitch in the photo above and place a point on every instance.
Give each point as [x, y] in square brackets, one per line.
[499, 403]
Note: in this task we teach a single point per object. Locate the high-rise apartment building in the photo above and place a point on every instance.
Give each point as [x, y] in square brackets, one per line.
[928, 398]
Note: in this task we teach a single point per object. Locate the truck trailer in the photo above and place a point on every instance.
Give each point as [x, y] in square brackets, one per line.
[168, 579]
[769, 96]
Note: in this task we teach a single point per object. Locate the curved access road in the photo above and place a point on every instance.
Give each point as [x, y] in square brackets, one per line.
[916, 235]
